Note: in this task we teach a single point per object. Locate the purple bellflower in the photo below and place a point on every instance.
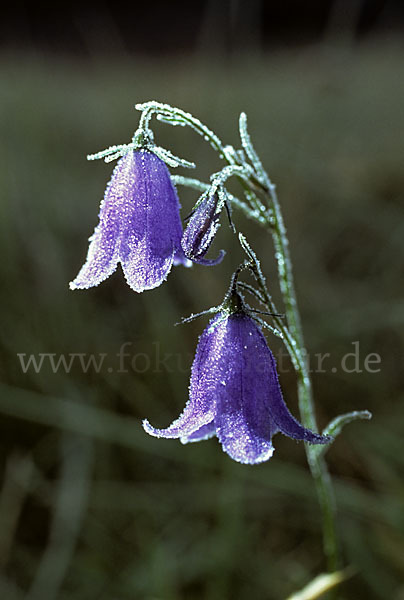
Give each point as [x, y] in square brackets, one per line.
[139, 225]
[235, 393]
[201, 229]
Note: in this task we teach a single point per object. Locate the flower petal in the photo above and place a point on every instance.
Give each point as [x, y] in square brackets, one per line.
[246, 422]
[243, 423]
[283, 421]
[144, 269]
[203, 433]
[192, 419]
[102, 256]
[152, 228]
[200, 408]
[101, 261]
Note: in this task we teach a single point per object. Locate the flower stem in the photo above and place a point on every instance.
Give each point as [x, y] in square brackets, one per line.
[317, 464]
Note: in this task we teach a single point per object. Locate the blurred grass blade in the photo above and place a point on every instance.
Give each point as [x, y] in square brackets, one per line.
[321, 584]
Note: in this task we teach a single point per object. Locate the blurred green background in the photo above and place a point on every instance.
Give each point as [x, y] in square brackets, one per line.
[91, 508]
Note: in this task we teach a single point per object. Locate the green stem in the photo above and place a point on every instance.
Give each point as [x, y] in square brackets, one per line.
[179, 116]
[317, 464]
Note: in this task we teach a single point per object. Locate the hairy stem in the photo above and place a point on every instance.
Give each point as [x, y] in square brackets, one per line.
[317, 464]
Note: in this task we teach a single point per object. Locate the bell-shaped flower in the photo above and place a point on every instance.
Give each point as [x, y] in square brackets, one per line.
[201, 229]
[235, 394]
[139, 225]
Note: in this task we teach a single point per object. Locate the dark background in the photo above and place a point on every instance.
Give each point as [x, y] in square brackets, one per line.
[91, 508]
[155, 28]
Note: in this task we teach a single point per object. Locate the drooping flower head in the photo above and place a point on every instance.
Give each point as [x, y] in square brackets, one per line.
[139, 225]
[235, 393]
[201, 229]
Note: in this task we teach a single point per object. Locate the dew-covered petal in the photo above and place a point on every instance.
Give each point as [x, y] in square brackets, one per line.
[145, 270]
[151, 230]
[101, 261]
[243, 423]
[284, 421]
[263, 395]
[103, 251]
[200, 231]
[203, 433]
[200, 408]
[192, 419]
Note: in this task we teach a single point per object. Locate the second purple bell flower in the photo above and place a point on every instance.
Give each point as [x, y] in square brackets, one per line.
[235, 394]
[139, 226]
